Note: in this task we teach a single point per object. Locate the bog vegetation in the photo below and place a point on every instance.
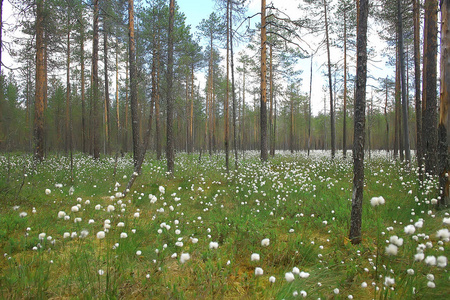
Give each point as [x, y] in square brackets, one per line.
[273, 230]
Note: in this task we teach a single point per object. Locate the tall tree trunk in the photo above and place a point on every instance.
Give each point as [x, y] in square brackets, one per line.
[263, 108]
[397, 127]
[191, 113]
[95, 100]
[127, 105]
[233, 92]
[39, 133]
[419, 147]
[133, 86]
[403, 83]
[243, 111]
[358, 142]
[227, 92]
[386, 116]
[157, 98]
[117, 95]
[332, 119]
[344, 129]
[107, 100]
[271, 131]
[291, 123]
[67, 118]
[83, 96]
[170, 154]
[444, 116]
[429, 116]
[309, 106]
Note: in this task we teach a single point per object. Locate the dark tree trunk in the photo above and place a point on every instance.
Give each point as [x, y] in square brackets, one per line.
[233, 92]
[107, 100]
[344, 129]
[419, 147]
[429, 116]
[133, 85]
[95, 101]
[263, 108]
[309, 107]
[403, 84]
[330, 82]
[271, 128]
[444, 138]
[83, 96]
[170, 154]
[40, 84]
[359, 134]
[227, 93]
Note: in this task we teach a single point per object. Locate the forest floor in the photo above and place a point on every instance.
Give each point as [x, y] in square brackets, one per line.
[266, 231]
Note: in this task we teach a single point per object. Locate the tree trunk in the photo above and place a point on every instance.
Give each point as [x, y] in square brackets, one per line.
[67, 118]
[419, 147]
[444, 138]
[133, 86]
[291, 123]
[117, 95]
[397, 127]
[157, 110]
[83, 96]
[344, 129]
[358, 142]
[271, 131]
[332, 121]
[95, 87]
[429, 116]
[170, 99]
[107, 100]
[403, 83]
[227, 93]
[386, 116]
[233, 94]
[309, 106]
[40, 84]
[263, 108]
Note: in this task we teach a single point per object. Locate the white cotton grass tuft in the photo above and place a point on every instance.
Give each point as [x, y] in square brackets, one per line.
[389, 281]
[23, 214]
[391, 249]
[446, 221]
[375, 201]
[110, 208]
[272, 279]
[364, 284]
[259, 271]
[304, 274]
[396, 240]
[430, 277]
[410, 271]
[336, 291]
[431, 284]
[213, 245]
[138, 253]
[48, 191]
[289, 277]
[74, 208]
[295, 270]
[61, 214]
[303, 294]
[42, 236]
[123, 235]
[419, 256]
[184, 257]
[410, 229]
[265, 242]
[441, 261]
[101, 235]
[162, 190]
[254, 257]
[443, 234]
[430, 260]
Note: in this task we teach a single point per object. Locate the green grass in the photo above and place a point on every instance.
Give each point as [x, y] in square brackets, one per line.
[302, 204]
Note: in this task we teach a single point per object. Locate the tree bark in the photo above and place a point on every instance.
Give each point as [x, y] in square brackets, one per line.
[444, 138]
[107, 100]
[133, 85]
[359, 134]
[170, 153]
[429, 104]
[330, 82]
[39, 133]
[95, 87]
[344, 129]
[227, 93]
[263, 108]
[83, 96]
[271, 128]
[309, 105]
[419, 147]
[403, 83]
[233, 92]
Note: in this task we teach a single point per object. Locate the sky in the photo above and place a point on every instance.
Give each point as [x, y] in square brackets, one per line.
[196, 10]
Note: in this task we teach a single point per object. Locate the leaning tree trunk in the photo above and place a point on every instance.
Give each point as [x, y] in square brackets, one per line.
[263, 109]
[40, 84]
[170, 153]
[359, 134]
[444, 138]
